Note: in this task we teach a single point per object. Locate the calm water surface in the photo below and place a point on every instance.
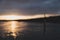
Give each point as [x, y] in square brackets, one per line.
[20, 29]
[28, 30]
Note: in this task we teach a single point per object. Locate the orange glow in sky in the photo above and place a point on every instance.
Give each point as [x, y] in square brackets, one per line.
[16, 17]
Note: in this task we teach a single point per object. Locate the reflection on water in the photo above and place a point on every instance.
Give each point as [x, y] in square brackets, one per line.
[12, 27]
[19, 30]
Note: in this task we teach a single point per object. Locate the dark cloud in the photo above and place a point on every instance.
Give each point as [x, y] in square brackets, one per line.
[30, 6]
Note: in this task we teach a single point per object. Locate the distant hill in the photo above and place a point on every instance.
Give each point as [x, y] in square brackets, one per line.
[51, 19]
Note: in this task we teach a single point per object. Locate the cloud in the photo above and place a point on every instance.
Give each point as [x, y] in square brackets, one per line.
[30, 7]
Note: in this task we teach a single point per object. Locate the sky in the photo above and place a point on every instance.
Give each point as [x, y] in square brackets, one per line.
[29, 7]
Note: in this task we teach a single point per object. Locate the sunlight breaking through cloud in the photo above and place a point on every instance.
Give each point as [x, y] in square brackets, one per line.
[18, 17]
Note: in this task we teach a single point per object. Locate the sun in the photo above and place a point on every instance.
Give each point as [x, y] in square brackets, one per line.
[10, 17]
